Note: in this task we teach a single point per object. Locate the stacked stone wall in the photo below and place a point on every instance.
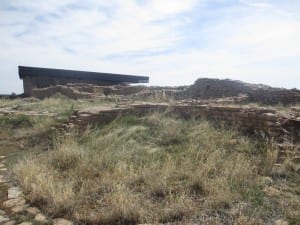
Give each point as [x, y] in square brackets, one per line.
[67, 91]
[266, 123]
[214, 88]
[82, 90]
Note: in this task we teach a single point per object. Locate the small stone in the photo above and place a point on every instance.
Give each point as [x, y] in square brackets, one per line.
[2, 212]
[18, 209]
[25, 223]
[40, 218]
[271, 191]
[32, 210]
[14, 192]
[3, 218]
[61, 221]
[281, 222]
[11, 222]
[2, 157]
[14, 202]
[2, 165]
[3, 169]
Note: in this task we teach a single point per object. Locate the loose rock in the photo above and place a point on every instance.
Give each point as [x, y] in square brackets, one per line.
[14, 202]
[33, 210]
[3, 218]
[271, 191]
[2, 212]
[281, 222]
[61, 221]
[25, 223]
[18, 208]
[40, 218]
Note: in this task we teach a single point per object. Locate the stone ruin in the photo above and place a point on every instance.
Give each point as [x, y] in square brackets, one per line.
[220, 101]
[202, 89]
[214, 88]
[261, 122]
[200, 100]
[86, 91]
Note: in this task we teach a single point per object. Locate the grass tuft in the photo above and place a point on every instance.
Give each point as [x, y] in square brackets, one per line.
[15, 121]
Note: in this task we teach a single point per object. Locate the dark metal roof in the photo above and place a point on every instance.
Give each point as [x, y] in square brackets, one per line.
[81, 75]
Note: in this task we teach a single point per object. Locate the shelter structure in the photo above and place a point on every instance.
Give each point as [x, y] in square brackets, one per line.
[34, 77]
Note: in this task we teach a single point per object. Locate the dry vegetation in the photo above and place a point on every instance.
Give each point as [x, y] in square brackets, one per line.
[154, 169]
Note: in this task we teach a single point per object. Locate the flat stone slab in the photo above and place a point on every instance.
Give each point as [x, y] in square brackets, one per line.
[61, 221]
[25, 223]
[3, 169]
[2, 157]
[33, 210]
[18, 209]
[14, 202]
[14, 192]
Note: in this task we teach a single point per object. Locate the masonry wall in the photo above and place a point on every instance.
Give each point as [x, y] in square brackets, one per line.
[265, 122]
[262, 122]
[214, 88]
[31, 82]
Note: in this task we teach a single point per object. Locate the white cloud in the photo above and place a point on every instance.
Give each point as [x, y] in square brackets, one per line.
[257, 3]
[168, 40]
[167, 7]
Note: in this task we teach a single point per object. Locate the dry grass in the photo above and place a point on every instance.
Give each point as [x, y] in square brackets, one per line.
[9, 102]
[57, 103]
[145, 170]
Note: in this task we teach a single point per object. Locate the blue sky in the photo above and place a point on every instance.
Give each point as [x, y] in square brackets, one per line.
[174, 42]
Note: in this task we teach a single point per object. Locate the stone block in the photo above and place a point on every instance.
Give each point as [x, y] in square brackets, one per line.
[14, 192]
[14, 202]
[270, 117]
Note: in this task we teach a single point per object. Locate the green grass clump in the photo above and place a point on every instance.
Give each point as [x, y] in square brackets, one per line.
[15, 121]
[154, 169]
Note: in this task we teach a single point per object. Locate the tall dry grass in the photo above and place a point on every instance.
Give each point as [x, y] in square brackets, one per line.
[146, 170]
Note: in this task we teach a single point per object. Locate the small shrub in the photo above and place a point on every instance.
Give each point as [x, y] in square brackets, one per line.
[66, 157]
[197, 188]
[255, 195]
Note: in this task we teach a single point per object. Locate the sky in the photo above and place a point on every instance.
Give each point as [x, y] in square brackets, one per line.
[174, 42]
